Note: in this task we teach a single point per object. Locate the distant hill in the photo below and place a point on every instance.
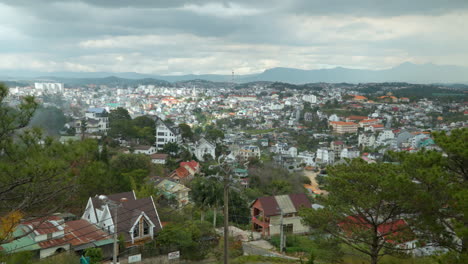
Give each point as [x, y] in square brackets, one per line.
[406, 72]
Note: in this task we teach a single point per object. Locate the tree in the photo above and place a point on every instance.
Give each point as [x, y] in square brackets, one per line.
[144, 121]
[171, 148]
[214, 134]
[207, 193]
[119, 114]
[194, 239]
[442, 191]
[186, 132]
[145, 129]
[128, 169]
[38, 175]
[364, 207]
[120, 124]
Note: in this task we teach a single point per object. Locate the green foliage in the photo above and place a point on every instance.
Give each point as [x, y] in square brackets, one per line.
[206, 193]
[269, 179]
[194, 239]
[213, 134]
[376, 194]
[127, 169]
[441, 197]
[171, 148]
[94, 254]
[186, 132]
[119, 114]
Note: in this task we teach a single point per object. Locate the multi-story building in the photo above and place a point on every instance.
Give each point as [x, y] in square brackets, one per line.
[341, 127]
[369, 122]
[166, 133]
[325, 156]
[269, 213]
[96, 121]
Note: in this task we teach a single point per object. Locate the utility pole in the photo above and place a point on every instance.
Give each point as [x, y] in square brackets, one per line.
[114, 255]
[115, 206]
[226, 217]
[281, 232]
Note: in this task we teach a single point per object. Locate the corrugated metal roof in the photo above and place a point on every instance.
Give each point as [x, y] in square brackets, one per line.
[285, 204]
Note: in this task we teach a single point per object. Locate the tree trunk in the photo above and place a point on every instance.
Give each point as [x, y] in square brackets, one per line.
[202, 215]
[214, 216]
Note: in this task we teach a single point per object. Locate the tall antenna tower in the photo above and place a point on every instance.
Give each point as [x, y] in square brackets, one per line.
[232, 77]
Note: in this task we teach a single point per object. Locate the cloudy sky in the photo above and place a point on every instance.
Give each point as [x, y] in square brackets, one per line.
[247, 36]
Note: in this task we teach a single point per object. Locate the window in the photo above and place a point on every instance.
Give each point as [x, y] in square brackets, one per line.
[136, 230]
[160, 133]
[49, 236]
[288, 229]
[146, 228]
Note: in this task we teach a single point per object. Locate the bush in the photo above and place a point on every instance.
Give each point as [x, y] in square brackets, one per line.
[95, 255]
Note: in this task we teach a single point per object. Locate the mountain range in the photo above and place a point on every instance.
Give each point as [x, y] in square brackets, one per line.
[406, 72]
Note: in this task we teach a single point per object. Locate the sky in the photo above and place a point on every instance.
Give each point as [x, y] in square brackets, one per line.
[247, 36]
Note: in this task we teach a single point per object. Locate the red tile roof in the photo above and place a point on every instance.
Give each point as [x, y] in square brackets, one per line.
[192, 164]
[182, 172]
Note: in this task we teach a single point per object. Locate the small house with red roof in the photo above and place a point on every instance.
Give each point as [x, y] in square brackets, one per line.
[186, 172]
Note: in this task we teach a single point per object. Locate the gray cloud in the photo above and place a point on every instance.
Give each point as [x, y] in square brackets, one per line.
[205, 36]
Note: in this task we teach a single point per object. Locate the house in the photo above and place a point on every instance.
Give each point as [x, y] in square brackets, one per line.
[173, 190]
[268, 213]
[138, 219]
[337, 147]
[49, 235]
[147, 150]
[204, 147]
[341, 127]
[349, 153]
[159, 158]
[186, 171]
[325, 156]
[166, 133]
[366, 140]
[248, 152]
[96, 121]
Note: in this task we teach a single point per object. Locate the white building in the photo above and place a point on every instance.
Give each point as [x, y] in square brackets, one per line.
[96, 120]
[166, 134]
[307, 158]
[310, 98]
[49, 87]
[384, 137]
[349, 153]
[325, 156]
[366, 140]
[202, 148]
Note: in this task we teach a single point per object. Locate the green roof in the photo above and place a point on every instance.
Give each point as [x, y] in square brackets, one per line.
[25, 243]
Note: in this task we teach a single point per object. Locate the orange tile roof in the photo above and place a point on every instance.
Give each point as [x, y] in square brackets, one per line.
[368, 120]
[360, 97]
[341, 123]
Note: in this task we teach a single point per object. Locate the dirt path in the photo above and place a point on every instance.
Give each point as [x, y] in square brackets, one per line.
[313, 182]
